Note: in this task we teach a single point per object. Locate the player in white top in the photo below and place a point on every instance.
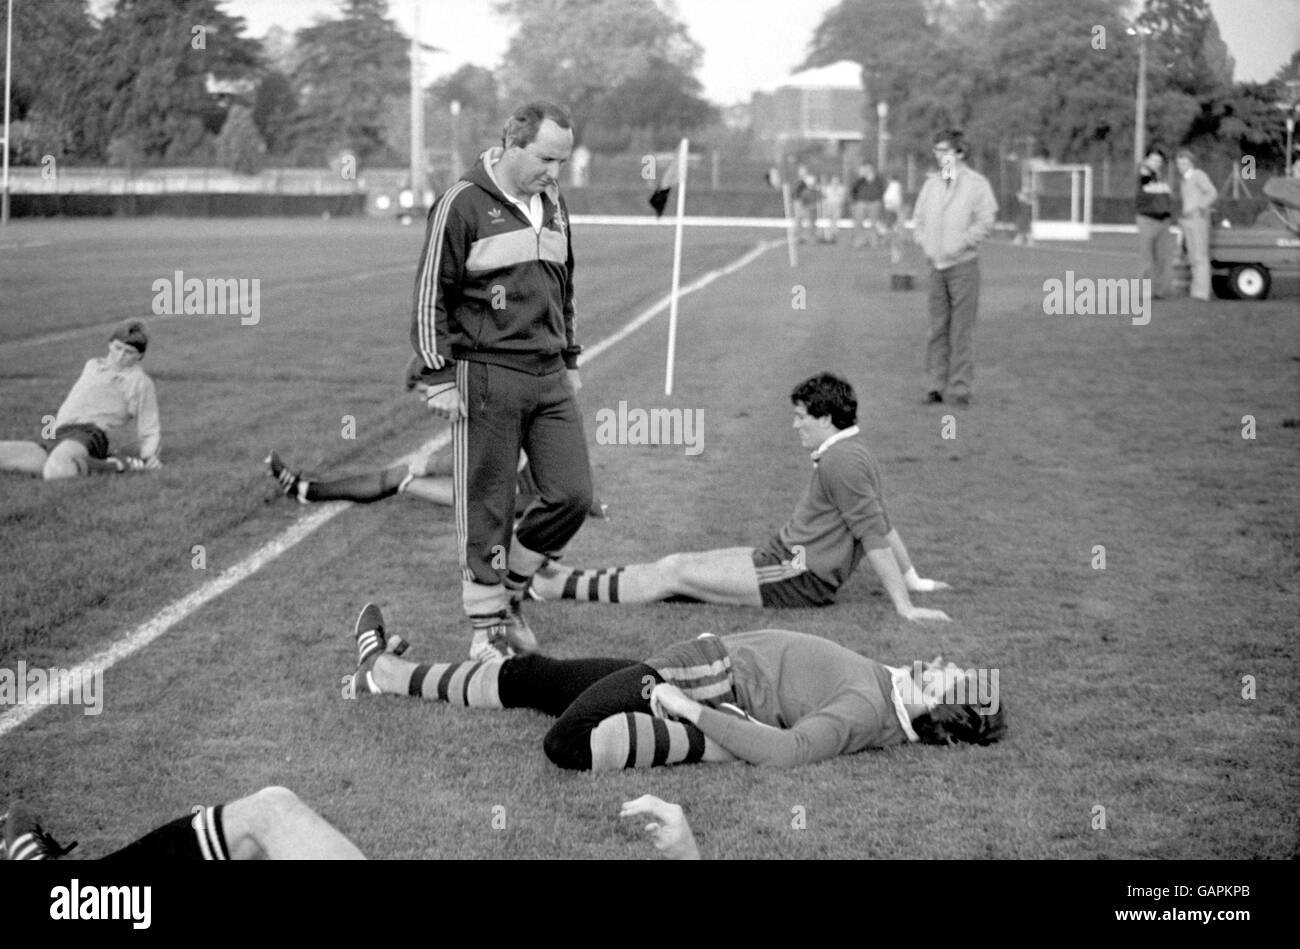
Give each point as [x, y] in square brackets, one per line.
[113, 404]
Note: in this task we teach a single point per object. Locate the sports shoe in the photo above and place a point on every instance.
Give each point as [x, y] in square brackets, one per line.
[26, 839]
[490, 642]
[371, 643]
[933, 396]
[288, 479]
[518, 632]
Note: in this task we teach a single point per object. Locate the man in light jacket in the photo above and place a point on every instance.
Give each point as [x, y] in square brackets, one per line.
[954, 212]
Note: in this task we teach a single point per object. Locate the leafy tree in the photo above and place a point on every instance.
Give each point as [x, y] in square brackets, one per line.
[240, 147]
[575, 52]
[273, 110]
[1060, 79]
[649, 112]
[352, 84]
[1185, 51]
[151, 62]
[929, 62]
[51, 43]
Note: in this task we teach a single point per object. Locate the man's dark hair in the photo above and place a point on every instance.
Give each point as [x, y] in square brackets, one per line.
[949, 723]
[954, 137]
[827, 394]
[521, 128]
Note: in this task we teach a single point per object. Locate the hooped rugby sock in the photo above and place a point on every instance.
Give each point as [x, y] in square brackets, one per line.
[638, 740]
[593, 585]
[470, 684]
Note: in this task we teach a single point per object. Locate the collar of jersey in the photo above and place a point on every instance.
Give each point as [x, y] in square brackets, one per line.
[837, 437]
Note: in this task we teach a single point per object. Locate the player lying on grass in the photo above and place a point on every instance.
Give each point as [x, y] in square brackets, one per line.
[272, 824]
[770, 697]
[111, 392]
[428, 479]
[841, 516]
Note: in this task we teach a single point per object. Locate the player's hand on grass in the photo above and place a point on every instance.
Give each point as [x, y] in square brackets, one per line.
[919, 614]
[668, 701]
[152, 464]
[919, 584]
[444, 401]
[667, 827]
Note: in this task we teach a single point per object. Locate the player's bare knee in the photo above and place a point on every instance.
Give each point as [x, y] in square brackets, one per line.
[674, 570]
[58, 469]
[278, 802]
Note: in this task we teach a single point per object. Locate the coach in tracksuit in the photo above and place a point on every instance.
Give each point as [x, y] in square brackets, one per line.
[494, 322]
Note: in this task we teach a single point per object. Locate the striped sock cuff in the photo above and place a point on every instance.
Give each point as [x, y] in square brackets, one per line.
[27, 847]
[593, 585]
[469, 684]
[638, 740]
[211, 838]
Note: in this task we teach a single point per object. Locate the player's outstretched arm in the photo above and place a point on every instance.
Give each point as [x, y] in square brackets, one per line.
[914, 581]
[667, 828]
[886, 567]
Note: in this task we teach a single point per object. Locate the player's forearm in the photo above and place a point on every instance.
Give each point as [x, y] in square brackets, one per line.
[901, 556]
[886, 566]
[754, 743]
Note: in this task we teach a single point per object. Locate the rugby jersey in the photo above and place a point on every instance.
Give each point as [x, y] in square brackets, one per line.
[840, 515]
[825, 699]
[491, 288]
[110, 398]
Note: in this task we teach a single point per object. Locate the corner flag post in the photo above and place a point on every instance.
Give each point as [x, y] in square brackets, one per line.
[683, 152]
[789, 224]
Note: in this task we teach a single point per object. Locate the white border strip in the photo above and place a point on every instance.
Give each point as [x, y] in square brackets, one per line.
[178, 610]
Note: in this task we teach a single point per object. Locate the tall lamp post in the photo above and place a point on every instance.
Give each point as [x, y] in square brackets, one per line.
[1140, 123]
[455, 140]
[1291, 105]
[9, 59]
[882, 136]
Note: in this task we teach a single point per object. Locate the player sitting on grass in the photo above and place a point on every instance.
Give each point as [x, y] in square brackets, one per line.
[769, 697]
[841, 515]
[272, 824]
[428, 479]
[112, 391]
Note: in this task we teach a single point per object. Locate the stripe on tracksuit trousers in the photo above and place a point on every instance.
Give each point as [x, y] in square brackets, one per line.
[510, 409]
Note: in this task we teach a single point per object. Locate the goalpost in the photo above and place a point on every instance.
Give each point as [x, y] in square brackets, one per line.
[1062, 202]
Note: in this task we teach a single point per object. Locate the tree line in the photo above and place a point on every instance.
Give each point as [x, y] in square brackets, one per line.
[180, 81]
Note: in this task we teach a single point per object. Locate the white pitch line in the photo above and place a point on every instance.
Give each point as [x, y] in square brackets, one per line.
[178, 610]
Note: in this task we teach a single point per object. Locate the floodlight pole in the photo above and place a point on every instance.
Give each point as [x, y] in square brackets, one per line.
[1291, 105]
[882, 136]
[1140, 123]
[9, 65]
[417, 109]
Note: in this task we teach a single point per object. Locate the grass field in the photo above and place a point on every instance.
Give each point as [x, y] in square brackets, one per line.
[1123, 686]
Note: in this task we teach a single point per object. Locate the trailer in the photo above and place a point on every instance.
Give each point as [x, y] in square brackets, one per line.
[1245, 260]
